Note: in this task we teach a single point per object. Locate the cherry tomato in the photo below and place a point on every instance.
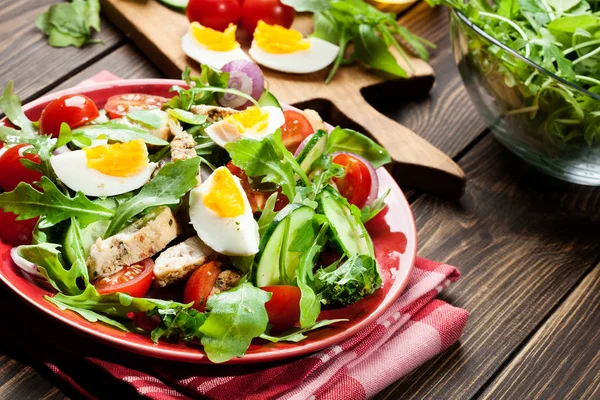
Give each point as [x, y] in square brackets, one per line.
[120, 104]
[284, 306]
[215, 14]
[13, 172]
[356, 184]
[15, 232]
[198, 287]
[256, 198]
[133, 279]
[74, 109]
[270, 11]
[295, 130]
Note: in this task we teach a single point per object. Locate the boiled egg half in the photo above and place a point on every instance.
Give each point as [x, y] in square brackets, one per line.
[211, 47]
[286, 50]
[222, 216]
[105, 170]
[252, 123]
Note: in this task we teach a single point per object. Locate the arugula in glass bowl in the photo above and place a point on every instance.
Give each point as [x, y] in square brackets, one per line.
[531, 68]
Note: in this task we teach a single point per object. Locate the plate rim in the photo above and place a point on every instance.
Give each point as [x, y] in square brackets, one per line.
[199, 357]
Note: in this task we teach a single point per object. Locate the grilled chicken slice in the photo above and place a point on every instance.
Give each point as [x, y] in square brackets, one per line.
[315, 119]
[140, 240]
[213, 113]
[179, 261]
[183, 146]
[227, 279]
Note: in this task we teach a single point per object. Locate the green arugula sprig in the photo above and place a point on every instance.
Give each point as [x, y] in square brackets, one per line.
[70, 24]
[372, 32]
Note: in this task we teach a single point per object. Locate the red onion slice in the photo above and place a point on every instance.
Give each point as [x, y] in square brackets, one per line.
[374, 191]
[246, 77]
[302, 145]
[25, 265]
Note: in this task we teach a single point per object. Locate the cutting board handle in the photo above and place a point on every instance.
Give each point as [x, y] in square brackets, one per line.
[416, 163]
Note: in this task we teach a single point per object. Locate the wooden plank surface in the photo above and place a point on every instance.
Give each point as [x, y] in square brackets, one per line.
[26, 57]
[519, 252]
[563, 358]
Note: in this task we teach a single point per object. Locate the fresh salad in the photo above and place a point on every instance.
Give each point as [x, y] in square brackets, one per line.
[212, 217]
[563, 37]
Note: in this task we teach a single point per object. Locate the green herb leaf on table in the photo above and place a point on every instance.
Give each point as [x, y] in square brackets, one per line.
[167, 188]
[235, 318]
[70, 24]
[51, 203]
[373, 51]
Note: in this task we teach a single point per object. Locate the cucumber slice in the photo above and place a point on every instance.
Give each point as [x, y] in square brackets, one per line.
[179, 4]
[349, 233]
[313, 150]
[267, 99]
[89, 235]
[274, 257]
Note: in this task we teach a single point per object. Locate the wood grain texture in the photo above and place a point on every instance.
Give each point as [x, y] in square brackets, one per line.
[28, 60]
[417, 163]
[519, 255]
[562, 359]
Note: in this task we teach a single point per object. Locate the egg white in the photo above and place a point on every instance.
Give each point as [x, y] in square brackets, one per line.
[223, 132]
[236, 236]
[319, 55]
[71, 168]
[212, 58]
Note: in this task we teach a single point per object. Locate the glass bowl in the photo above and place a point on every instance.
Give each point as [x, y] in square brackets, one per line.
[547, 128]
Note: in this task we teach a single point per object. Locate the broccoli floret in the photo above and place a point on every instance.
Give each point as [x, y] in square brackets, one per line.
[348, 283]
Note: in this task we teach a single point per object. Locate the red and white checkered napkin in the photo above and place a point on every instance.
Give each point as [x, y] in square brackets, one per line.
[414, 329]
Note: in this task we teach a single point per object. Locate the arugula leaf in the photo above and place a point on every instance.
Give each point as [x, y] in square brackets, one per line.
[171, 183]
[10, 104]
[373, 51]
[369, 212]
[70, 24]
[51, 203]
[307, 5]
[187, 117]
[50, 263]
[235, 318]
[297, 334]
[269, 159]
[351, 141]
[152, 118]
[177, 323]
[310, 307]
[202, 88]
[66, 136]
[119, 133]
[42, 146]
[356, 278]
[268, 214]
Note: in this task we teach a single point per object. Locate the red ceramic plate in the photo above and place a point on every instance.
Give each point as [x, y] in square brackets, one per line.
[393, 233]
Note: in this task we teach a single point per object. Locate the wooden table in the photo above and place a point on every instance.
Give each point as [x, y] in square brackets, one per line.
[528, 246]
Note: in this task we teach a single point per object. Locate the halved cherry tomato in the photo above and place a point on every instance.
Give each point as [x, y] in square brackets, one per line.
[134, 279]
[74, 109]
[215, 14]
[12, 172]
[356, 184]
[284, 306]
[256, 198]
[270, 11]
[120, 104]
[295, 130]
[198, 287]
[15, 232]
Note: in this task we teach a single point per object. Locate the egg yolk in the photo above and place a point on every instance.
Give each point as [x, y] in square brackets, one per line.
[215, 40]
[224, 197]
[251, 119]
[279, 40]
[119, 159]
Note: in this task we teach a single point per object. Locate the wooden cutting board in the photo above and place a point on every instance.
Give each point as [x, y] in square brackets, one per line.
[157, 30]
